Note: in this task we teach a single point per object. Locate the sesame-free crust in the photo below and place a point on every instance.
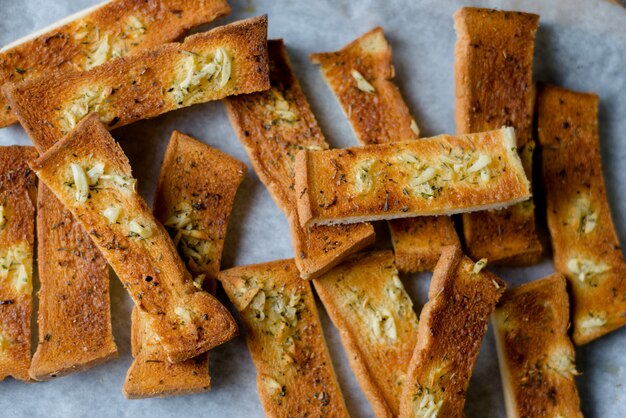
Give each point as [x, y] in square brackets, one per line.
[494, 88]
[188, 321]
[108, 31]
[143, 85]
[442, 175]
[200, 182]
[367, 302]
[74, 315]
[578, 213]
[450, 332]
[535, 353]
[17, 198]
[382, 116]
[295, 376]
[273, 126]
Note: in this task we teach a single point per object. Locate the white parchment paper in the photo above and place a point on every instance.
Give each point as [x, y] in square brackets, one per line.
[580, 45]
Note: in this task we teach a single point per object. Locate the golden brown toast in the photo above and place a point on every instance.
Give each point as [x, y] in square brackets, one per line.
[194, 197]
[494, 88]
[360, 75]
[74, 313]
[586, 247]
[17, 237]
[535, 353]
[273, 126]
[366, 301]
[380, 115]
[295, 376]
[227, 60]
[98, 35]
[91, 176]
[442, 175]
[452, 325]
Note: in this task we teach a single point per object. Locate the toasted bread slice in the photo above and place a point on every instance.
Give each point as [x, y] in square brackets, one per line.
[367, 302]
[494, 87]
[535, 353]
[273, 126]
[452, 326]
[295, 376]
[228, 60]
[17, 237]
[193, 200]
[586, 247]
[360, 75]
[433, 176]
[91, 176]
[74, 305]
[100, 34]
[379, 115]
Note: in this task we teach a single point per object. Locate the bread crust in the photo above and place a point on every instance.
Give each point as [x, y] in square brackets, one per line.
[74, 315]
[586, 247]
[295, 376]
[145, 84]
[493, 79]
[188, 321]
[361, 296]
[442, 175]
[198, 183]
[535, 353]
[273, 126]
[115, 29]
[450, 332]
[17, 237]
[382, 116]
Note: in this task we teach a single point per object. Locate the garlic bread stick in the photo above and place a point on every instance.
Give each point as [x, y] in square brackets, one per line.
[91, 176]
[74, 313]
[493, 69]
[452, 325]
[17, 237]
[442, 175]
[360, 75]
[535, 353]
[273, 126]
[586, 247]
[194, 197]
[295, 376]
[110, 30]
[366, 301]
[227, 60]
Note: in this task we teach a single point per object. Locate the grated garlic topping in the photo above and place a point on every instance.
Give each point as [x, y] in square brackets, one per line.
[429, 406]
[585, 269]
[16, 267]
[184, 315]
[563, 364]
[92, 99]
[592, 321]
[196, 71]
[193, 244]
[81, 182]
[112, 213]
[479, 265]
[361, 83]
[584, 216]
[139, 230]
[363, 178]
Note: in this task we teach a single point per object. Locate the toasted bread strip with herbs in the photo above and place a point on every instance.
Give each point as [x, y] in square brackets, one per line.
[273, 126]
[535, 353]
[74, 313]
[228, 60]
[295, 376]
[17, 237]
[360, 75]
[100, 34]
[494, 87]
[193, 200]
[586, 247]
[442, 175]
[367, 302]
[91, 176]
[452, 325]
